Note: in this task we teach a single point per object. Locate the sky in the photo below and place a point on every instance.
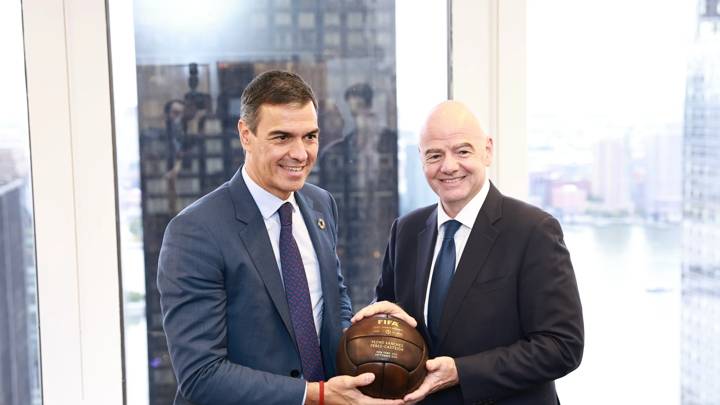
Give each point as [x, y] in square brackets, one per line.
[618, 61]
[13, 103]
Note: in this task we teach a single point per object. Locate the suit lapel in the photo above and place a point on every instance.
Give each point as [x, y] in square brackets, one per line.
[472, 261]
[257, 244]
[425, 247]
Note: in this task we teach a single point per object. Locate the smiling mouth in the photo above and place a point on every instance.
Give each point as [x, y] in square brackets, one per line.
[293, 169]
[452, 181]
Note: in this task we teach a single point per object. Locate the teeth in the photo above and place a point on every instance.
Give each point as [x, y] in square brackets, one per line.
[293, 169]
[451, 180]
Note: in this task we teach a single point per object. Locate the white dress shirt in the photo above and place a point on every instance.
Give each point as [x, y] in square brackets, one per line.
[269, 205]
[466, 217]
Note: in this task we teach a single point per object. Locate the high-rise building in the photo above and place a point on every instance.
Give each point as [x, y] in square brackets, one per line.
[701, 210]
[663, 186]
[610, 184]
[18, 350]
[189, 144]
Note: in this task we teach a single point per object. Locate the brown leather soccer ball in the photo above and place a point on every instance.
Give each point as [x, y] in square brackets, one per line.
[387, 347]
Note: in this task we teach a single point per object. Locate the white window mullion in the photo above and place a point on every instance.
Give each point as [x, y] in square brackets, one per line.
[488, 73]
[74, 196]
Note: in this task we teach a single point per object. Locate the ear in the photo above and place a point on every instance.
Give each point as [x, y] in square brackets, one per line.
[246, 136]
[488, 157]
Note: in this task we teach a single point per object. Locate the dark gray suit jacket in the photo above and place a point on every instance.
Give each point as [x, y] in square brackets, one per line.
[224, 309]
[512, 319]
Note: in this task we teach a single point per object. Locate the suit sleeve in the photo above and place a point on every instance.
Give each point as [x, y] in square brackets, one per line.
[551, 319]
[193, 301]
[345, 303]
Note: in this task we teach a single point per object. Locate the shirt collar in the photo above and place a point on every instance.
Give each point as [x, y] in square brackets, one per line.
[469, 212]
[267, 202]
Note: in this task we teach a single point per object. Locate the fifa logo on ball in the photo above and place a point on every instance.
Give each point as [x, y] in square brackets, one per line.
[388, 322]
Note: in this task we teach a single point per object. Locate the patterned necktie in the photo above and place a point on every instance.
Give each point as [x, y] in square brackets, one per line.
[442, 276]
[298, 298]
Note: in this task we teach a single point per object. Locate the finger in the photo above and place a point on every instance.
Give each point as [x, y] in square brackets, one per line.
[361, 380]
[432, 365]
[370, 310]
[405, 317]
[384, 307]
[396, 311]
[364, 313]
[376, 401]
[418, 394]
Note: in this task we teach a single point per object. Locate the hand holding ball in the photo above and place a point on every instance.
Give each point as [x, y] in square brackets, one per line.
[387, 347]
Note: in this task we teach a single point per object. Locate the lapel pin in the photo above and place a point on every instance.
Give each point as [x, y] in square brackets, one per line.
[321, 223]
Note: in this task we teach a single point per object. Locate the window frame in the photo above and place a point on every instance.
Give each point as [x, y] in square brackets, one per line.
[69, 85]
[72, 160]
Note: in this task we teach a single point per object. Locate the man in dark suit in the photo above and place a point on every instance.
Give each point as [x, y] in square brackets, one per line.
[504, 320]
[252, 297]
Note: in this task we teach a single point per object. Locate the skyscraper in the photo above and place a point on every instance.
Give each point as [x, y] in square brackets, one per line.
[701, 210]
[333, 45]
[18, 364]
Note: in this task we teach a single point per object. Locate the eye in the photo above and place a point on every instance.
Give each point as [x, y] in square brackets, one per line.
[432, 157]
[312, 136]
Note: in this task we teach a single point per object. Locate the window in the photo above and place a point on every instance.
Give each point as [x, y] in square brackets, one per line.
[177, 82]
[623, 143]
[19, 348]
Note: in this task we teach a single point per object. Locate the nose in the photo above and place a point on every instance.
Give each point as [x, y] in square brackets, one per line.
[297, 150]
[449, 165]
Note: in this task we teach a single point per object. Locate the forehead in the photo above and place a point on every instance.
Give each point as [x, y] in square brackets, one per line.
[447, 138]
[289, 117]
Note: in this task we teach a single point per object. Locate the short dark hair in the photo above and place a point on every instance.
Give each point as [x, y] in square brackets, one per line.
[362, 90]
[273, 87]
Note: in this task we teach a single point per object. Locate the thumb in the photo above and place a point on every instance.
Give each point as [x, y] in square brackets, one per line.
[362, 380]
[432, 364]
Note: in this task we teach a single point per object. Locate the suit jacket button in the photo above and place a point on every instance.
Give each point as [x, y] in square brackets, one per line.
[295, 373]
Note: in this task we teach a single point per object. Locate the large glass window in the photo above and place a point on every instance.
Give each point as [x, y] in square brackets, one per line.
[19, 348]
[624, 148]
[179, 69]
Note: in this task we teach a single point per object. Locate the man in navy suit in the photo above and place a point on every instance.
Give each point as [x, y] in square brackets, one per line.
[487, 277]
[252, 296]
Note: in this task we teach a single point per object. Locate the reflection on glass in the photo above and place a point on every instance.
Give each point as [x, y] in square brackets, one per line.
[177, 136]
[19, 348]
[624, 148]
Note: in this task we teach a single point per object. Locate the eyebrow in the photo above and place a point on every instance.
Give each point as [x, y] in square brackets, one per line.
[431, 151]
[463, 145]
[286, 133]
[454, 147]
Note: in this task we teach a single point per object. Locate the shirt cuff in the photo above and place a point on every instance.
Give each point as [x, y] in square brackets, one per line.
[304, 395]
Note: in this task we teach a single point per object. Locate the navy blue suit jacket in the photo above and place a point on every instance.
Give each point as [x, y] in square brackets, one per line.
[512, 318]
[224, 309]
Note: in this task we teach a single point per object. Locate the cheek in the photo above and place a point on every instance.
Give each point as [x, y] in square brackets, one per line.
[429, 172]
[312, 151]
[487, 159]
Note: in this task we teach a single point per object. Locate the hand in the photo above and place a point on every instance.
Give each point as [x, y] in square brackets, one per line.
[442, 374]
[343, 390]
[384, 307]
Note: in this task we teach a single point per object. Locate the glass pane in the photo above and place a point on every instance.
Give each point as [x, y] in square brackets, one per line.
[177, 82]
[19, 345]
[624, 148]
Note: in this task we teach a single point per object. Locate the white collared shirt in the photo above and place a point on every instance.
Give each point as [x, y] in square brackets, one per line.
[466, 217]
[269, 205]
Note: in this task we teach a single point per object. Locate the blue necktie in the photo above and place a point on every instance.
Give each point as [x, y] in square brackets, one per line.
[298, 298]
[442, 276]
